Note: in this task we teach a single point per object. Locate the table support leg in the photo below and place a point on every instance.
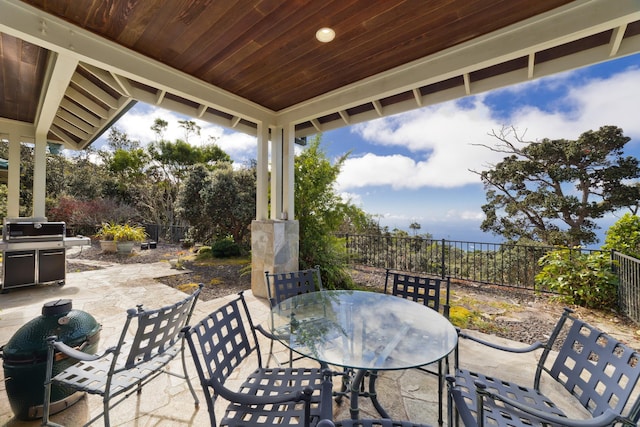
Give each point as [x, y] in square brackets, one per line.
[373, 376]
[356, 392]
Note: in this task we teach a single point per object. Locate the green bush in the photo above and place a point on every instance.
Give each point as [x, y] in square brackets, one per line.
[582, 279]
[205, 252]
[225, 248]
[624, 236]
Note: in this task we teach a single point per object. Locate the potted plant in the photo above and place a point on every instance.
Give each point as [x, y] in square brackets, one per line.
[107, 236]
[128, 235]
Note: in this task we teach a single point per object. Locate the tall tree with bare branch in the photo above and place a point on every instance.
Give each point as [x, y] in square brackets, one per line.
[552, 191]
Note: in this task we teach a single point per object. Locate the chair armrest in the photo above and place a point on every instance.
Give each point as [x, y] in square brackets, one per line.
[536, 345]
[264, 332]
[74, 353]
[247, 399]
[605, 419]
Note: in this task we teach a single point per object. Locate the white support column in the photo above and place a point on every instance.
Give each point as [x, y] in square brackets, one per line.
[276, 174]
[13, 178]
[262, 173]
[39, 175]
[288, 171]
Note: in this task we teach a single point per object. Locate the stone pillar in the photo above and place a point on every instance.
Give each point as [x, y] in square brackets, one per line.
[274, 248]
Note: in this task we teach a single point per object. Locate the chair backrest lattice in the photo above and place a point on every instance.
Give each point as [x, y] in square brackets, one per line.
[282, 286]
[421, 289]
[158, 330]
[222, 340]
[600, 371]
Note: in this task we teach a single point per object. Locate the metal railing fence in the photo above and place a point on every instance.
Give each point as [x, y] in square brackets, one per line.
[508, 265]
[166, 233]
[628, 270]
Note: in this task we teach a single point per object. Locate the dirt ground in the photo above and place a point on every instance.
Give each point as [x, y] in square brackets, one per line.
[518, 316]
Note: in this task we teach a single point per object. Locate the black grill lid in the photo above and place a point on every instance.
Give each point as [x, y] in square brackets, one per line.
[57, 307]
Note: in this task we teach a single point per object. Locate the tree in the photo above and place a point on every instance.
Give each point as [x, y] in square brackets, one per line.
[321, 212]
[230, 201]
[219, 203]
[553, 190]
[624, 236]
[414, 226]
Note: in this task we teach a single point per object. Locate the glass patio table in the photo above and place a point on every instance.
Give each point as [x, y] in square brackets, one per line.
[364, 331]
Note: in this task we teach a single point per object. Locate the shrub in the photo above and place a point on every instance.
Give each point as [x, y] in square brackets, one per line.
[624, 236]
[460, 316]
[204, 252]
[581, 279]
[225, 248]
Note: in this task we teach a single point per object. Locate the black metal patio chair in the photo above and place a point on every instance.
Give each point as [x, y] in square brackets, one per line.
[282, 286]
[223, 342]
[598, 372]
[428, 291]
[381, 422]
[133, 362]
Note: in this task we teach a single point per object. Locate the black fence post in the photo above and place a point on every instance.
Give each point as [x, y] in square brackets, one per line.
[442, 262]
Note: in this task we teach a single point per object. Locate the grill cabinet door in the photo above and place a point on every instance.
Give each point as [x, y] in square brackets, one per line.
[19, 268]
[51, 265]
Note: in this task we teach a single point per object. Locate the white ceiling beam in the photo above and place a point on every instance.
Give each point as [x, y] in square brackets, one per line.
[378, 107]
[531, 65]
[8, 126]
[160, 97]
[59, 73]
[345, 117]
[69, 143]
[544, 31]
[616, 39]
[201, 110]
[105, 77]
[69, 128]
[95, 91]
[123, 83]
[418, 97]
[87, 103]
[60, 36]
[75, 121]
[316, 125]
[467, 83]
[79, 112]
[234, 121]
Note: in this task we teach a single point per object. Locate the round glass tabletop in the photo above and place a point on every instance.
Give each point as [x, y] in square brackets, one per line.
[363, 330]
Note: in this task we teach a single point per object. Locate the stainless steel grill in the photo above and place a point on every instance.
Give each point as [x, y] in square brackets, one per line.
[34, 251]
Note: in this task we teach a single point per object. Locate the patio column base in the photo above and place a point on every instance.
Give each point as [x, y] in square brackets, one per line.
[274, 248]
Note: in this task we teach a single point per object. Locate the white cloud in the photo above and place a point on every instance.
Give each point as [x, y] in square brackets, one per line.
[441, 137]
[138, 121]
[353, 198]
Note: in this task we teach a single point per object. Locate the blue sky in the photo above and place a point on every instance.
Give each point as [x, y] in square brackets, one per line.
[414, 167]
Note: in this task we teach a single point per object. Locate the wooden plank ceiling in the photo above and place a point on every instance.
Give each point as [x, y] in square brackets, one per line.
[265, 52]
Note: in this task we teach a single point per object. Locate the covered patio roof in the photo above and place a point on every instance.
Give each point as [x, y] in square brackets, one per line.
[71, 68]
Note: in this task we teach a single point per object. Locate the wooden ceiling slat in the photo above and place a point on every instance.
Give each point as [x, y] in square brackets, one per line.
[282, 28]
[240, 32]
[369, 54]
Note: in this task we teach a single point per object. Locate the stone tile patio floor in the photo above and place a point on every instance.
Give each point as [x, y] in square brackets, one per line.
[107, 293]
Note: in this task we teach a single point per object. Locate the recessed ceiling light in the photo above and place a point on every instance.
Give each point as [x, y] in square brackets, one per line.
[325, 35]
